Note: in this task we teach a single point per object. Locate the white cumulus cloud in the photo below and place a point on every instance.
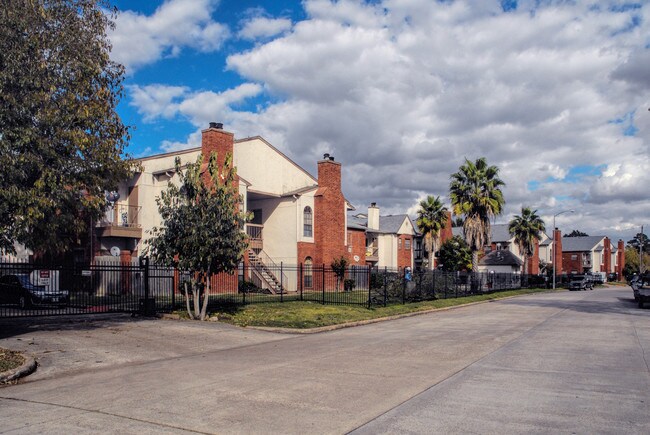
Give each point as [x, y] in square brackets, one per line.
[140, 39]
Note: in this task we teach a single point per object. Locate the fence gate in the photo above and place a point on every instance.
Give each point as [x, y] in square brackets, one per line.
[106, 286]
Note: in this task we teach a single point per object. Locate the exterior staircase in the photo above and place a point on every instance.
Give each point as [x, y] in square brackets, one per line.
[264, 270]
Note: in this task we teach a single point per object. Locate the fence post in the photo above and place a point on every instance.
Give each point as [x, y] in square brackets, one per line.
[403, 287]
[243, 284]
[323, 283]
[369, 285]
[281, 285]
[146, 308]
[301, 278]
[174, 289]
[385, 285]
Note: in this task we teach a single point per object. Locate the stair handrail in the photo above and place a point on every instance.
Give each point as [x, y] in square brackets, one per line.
[266, 262]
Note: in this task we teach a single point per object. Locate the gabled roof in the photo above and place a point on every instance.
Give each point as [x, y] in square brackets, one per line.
[500, 258]
[392, 224]
[387, 224]
[500, 233]
[581, 244]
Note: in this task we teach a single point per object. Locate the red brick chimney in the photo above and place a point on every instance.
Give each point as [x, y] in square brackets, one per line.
[445, 231]
[620, 260]
[215, 139]
[533, 261]
[557, 251]
[606, 265]
[329, 212]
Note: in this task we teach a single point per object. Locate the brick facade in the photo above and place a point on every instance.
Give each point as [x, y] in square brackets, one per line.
[357, 246]
[533, 262]
[215, 139]
[404, 255]
[329, 213]
[571, 264]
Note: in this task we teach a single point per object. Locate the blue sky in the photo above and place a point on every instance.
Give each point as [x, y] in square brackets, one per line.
[554, 93]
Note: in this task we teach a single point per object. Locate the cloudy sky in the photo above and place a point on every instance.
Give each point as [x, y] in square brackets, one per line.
[554, 93]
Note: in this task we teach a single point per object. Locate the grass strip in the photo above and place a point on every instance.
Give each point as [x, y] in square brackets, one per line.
[10, 360]
[302, 315]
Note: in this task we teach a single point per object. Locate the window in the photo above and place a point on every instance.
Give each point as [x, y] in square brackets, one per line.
[307, 219]
[407, 244]
[574, 256]
[399, 243]
[308, 273]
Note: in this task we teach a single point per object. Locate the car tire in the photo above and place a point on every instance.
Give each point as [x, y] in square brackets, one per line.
[24, 303]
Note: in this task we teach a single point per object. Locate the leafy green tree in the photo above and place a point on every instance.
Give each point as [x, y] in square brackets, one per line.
[201, 230]
[526, 229]
[577, 233]
[455, 255]
[432, 217]
[632, 262]
[61, 139]
[339, 266]
[638, 240]
[475, 192]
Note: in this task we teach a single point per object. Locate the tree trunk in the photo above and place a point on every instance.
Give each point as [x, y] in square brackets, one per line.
[186, 292]
[474, 261]
[206, 296]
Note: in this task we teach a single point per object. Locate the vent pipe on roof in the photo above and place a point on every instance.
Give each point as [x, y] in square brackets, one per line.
[217, 125]
[326, 156]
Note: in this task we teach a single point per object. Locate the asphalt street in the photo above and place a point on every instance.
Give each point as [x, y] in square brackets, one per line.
[569, 362]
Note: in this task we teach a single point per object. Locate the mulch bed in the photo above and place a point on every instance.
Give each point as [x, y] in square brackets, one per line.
[10, 360]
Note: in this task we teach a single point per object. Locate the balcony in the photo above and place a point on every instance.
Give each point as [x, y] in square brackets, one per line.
[255, 239]
[372, 253]
[121, 221]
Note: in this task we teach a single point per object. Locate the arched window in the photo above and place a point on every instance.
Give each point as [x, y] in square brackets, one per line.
[308, 273]
[307, 219]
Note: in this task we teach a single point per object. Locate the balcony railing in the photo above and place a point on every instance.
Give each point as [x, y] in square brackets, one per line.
[121, 216]
[121, 220]
[255, 238]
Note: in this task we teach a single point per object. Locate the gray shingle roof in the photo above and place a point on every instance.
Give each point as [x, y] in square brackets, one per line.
[387, 224]
[391, 224]
[500, 258]
[580, 244]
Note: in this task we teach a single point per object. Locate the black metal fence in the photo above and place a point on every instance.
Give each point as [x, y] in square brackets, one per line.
[31, 289]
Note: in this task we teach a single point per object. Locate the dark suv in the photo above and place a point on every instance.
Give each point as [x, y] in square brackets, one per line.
[580, 282]
[17, 289]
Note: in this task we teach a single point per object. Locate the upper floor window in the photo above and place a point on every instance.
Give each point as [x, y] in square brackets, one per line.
[399, 243]
[407, 244]
[308, 219]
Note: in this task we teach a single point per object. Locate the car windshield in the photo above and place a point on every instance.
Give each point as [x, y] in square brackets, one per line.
[24, 281]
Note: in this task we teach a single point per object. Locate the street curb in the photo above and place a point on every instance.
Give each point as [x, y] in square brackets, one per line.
[27, 367]
[380, 319]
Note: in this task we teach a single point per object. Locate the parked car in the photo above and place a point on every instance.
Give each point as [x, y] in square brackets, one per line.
[596, 277]
[580, 282]
[17, 289]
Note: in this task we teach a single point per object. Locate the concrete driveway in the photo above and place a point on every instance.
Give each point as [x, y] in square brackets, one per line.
[564, 362]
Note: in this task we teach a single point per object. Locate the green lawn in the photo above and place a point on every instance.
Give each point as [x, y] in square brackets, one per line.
[302, 315]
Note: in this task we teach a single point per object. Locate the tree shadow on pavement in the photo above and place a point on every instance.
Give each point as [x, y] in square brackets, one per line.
[15, 326]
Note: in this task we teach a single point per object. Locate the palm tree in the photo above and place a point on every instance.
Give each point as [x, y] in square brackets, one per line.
[432, 216]
[475, 192]
[526, 229]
